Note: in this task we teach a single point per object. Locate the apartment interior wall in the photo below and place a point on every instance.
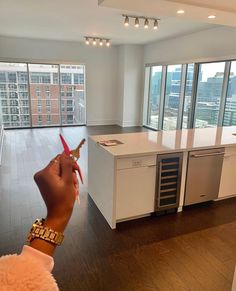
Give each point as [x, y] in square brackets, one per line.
[101, 69]
[213, 44]
[130, 84]
[114, 76]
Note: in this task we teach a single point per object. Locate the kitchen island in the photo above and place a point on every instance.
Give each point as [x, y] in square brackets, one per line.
[124, 180]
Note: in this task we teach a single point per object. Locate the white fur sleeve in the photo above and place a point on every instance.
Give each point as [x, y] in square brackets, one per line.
[31, 270]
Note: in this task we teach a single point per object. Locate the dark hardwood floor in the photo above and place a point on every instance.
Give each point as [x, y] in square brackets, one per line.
[192, 250]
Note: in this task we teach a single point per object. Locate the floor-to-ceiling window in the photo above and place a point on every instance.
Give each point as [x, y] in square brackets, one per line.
[191, 95]
[42, 94]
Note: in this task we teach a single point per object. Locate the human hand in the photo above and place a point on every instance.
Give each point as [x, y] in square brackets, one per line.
[58, 185]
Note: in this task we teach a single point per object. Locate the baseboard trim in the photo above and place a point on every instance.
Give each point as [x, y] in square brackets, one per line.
[113, 122]
[130, 123]
[101, 122]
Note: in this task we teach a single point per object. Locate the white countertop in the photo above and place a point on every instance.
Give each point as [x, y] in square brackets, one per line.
[168, 141]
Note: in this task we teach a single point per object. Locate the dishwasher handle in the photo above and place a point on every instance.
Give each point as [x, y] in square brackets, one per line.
[206, 155]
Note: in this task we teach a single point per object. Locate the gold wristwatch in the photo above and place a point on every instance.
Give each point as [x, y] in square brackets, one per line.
[44, 233]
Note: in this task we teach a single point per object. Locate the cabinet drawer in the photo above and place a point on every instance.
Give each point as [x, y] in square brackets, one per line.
[135, 192]
[136, 162]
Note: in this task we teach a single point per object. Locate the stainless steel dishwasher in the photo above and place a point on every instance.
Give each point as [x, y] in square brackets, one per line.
[203, 175]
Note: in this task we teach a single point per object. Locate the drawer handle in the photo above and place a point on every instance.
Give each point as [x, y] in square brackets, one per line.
[203, 195]
[207, 155]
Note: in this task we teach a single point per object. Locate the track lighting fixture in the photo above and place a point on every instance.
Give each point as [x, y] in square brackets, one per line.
[137, 21]
[97, 40]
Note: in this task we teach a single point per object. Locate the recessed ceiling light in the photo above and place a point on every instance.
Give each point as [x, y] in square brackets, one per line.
[211, 16]
[180, 11]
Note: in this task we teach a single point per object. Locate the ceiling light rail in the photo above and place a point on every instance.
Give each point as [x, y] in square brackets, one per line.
[146, 21]
[95, 40]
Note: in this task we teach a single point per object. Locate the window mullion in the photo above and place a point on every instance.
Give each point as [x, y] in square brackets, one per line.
[29, 95]
[162, 98]
[60, 101]
[181, 97]
[191, 120]
[224, 93]
[148, 96]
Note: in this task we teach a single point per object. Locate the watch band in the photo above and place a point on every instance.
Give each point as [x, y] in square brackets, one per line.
[44, 233]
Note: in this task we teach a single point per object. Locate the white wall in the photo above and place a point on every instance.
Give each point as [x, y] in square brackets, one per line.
[101, 69]
[208, 45]
[130, 84]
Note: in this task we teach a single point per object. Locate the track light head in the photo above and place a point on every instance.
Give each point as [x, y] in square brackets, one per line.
[101, 42]
[146, 23]
[108, 43]
[136, 22]
[126, 23]
[94, 42]
[87, 41]
[155, 26]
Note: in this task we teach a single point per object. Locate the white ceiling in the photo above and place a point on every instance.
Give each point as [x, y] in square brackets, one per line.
[72, 19]
[226, 5]
[195, 10]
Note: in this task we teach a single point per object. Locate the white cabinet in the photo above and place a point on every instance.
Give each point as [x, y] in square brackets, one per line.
[228, 177]
[135, 186]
